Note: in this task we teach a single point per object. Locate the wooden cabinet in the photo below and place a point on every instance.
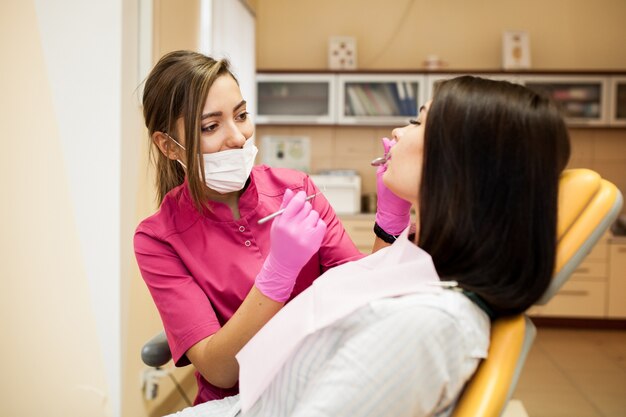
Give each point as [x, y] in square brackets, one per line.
[360, 228]
[617, 278]
[596, 289]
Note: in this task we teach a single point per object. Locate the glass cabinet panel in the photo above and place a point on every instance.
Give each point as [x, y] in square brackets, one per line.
[583, 100]
[379, 100]
[295, 98]
[618, 101]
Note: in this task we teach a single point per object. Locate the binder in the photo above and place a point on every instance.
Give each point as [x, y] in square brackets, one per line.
[411, 101]
[402, 100]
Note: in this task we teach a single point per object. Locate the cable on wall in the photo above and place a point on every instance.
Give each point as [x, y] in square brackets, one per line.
[403, 17]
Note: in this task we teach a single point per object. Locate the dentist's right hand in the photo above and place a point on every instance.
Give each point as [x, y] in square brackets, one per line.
[295, 236]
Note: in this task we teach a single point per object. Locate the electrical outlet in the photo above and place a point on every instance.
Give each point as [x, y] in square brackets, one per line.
[287, 152]
[150, 382]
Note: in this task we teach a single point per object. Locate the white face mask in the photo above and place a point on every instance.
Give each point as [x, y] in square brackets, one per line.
[227, 171]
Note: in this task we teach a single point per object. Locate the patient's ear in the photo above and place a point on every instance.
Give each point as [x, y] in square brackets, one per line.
[166, 145]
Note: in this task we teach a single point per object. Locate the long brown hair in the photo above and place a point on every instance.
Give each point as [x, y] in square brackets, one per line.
[493, 153]
[177, 87]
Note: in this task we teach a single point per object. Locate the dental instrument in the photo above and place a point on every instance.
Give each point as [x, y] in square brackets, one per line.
[281, 211]
[381, 160]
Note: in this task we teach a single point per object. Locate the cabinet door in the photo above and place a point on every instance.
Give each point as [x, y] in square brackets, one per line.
[617, 106]
[379, 99]
[617, 280]
[576, 299]
[295, 99]
[360, 231]
[583, 100]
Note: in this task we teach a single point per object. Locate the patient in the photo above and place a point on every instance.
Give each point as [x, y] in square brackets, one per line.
[481, 165]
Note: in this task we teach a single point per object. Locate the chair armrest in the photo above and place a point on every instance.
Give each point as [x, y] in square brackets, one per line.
[156, 352]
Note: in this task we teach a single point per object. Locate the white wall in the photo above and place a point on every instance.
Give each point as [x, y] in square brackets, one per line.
[228, 30]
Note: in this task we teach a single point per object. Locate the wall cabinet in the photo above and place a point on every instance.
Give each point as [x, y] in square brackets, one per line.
[391, 99]
[296, 99]
[584, 100]
[379, 99]
[372, 99]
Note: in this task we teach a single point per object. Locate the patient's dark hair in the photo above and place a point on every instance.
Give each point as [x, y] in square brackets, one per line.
[493, 153]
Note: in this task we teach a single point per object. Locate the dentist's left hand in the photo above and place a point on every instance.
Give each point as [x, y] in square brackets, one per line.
[295, 236]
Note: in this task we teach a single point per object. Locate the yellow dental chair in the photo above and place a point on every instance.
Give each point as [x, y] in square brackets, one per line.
[588, 205]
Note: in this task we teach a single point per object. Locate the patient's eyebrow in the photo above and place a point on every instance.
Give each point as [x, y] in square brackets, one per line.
[219, 113]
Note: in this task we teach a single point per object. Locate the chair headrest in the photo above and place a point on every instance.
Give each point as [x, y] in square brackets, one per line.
[587, 206]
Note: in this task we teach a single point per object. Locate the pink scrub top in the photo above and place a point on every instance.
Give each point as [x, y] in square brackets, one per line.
[199, 267]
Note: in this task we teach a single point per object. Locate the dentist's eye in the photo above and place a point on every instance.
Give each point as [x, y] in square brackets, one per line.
[209, 128]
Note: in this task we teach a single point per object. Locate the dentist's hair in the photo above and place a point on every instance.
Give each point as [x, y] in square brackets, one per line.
[177, 87]
[493, 154]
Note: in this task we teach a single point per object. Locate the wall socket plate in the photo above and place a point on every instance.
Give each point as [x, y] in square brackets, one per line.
[280, 151]
[150, 382]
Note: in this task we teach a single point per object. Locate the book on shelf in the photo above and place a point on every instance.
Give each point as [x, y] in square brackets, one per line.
[355, 103]
[374, 102]
[404, 98]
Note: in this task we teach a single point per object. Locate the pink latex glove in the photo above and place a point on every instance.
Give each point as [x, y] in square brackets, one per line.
[392, 212]
[295, 236]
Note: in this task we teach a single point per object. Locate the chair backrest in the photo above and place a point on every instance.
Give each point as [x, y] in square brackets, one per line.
[588, 205]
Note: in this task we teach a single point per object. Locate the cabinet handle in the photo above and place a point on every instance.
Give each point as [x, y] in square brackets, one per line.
[621, 250]
[577, 293]
[581, 270]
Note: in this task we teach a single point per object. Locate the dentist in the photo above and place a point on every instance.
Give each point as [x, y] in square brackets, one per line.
[215, 274]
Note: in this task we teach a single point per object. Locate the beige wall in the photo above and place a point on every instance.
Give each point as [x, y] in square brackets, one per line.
[54, 362]
[176, 26]
[392, 35]
[399, 34]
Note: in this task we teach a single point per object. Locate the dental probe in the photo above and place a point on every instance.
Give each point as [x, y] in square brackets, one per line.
[281, 211]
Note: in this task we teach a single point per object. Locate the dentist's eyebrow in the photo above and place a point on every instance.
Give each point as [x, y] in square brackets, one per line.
[219, 113]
